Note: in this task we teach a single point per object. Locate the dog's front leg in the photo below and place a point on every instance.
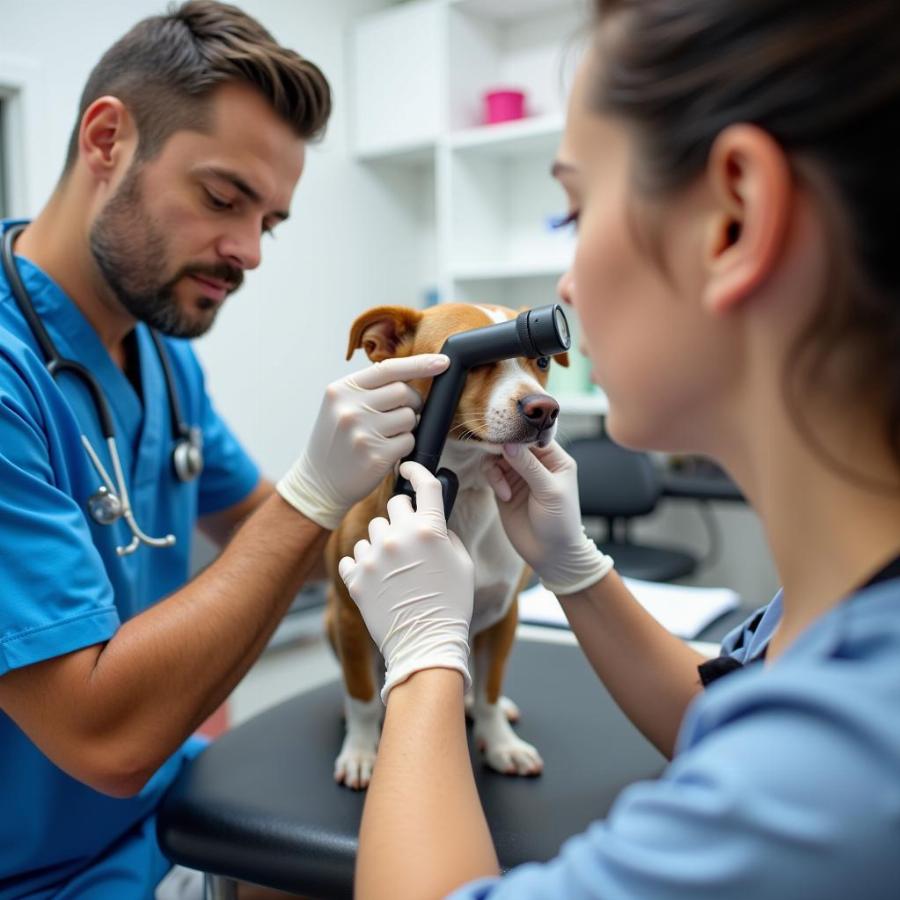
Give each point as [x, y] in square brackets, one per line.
[363, 708]
[503, 750]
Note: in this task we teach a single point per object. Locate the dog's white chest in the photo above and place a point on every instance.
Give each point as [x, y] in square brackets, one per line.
[498, 567]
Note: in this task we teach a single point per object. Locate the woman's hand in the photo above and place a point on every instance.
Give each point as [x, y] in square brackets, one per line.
[414, 582]
[537, 493]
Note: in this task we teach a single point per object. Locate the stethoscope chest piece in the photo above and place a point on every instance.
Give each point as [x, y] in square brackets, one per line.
[104, 507]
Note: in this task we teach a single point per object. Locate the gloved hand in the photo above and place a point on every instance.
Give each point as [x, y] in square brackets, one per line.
[414, 583]
[537, 490]
[363, 429]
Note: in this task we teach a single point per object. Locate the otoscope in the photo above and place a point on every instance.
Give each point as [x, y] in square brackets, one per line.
[542, 331]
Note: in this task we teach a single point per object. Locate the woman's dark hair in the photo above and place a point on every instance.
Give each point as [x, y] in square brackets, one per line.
[165, 68]
[822, 77]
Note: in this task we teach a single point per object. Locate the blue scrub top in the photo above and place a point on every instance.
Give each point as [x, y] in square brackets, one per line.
[65, 588]
[785, 782]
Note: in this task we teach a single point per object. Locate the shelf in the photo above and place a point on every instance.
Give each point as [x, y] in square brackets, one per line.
[475, 204]
[508, 271]
[410, 154]
[522, 137]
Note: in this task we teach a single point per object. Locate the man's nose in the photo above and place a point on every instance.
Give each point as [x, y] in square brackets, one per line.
[541, 410]
[565, 287]
[242, 248]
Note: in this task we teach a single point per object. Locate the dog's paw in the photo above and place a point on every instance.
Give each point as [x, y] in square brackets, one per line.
[513, 757]
[354, 764]
[503, 750]
[353, 767]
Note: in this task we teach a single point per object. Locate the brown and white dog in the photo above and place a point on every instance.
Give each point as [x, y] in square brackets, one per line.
[501, 403]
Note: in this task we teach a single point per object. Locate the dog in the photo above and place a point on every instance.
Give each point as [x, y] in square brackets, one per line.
[505, 402]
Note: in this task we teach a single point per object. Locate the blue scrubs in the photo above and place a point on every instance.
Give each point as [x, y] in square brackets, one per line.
[785, 783]
[65, 588]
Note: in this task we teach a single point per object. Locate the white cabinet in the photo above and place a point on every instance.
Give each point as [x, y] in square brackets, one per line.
[482, 194]
[398, 79]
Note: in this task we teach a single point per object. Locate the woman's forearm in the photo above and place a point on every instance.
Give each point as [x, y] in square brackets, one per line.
[650, 673]
[423, 830]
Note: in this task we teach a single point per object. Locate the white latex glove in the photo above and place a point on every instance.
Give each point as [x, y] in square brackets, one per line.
[537, 490]
[363, 429]
[414, 583]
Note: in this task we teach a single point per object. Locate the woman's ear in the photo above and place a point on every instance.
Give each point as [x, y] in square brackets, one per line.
[752, 189]
[379, 331]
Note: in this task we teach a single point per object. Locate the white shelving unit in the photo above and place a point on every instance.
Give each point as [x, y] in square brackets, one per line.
[479, 197]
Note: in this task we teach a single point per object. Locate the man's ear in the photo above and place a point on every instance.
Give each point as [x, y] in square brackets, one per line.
[107, 137]
[751, 182]
[380, 330]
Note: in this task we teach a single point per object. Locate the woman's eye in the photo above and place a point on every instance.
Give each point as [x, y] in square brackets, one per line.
[543, 362]
[566, 220]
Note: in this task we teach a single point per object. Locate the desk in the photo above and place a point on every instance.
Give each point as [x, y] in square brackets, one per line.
[260, 804]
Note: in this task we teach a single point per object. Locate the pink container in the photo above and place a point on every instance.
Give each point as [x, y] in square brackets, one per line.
[503, 106]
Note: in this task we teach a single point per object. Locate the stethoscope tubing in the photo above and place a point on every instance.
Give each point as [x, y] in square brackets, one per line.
[113, 495]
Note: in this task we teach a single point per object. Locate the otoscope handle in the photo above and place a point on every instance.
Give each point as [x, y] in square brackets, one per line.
[449, 487]
[542, 331]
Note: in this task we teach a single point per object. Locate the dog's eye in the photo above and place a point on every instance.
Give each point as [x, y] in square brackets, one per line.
[543, 362]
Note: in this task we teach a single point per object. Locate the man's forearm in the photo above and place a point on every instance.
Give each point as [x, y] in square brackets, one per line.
[650, 673]
[422, 816]
[167, 669]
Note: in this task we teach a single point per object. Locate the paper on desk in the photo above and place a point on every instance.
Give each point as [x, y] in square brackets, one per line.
[685, 611]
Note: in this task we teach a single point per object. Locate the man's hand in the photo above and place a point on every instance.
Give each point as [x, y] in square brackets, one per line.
[537, 490]
[414, 582]
[363, 429]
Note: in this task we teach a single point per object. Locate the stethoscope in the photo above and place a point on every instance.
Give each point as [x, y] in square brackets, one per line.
[110, 502]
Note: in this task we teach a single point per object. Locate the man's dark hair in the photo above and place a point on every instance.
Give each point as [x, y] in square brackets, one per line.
[165, 68]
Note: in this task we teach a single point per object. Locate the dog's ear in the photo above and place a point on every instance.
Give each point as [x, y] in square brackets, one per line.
[380, 330]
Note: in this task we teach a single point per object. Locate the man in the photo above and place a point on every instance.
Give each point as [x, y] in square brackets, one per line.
[188, 146]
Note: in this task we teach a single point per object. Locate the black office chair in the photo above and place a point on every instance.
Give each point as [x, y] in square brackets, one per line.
[616, 485]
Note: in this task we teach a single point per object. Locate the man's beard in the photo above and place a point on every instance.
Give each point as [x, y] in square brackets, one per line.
[130, 252]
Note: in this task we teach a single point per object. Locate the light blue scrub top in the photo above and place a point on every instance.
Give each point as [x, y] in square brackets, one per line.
[63, 587]
[785, 784]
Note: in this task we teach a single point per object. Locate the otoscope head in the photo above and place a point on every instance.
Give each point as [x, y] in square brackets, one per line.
[542, 331]
[545, 331]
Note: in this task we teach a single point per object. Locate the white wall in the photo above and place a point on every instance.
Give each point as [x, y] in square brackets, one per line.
[283, 337]
[358, 236]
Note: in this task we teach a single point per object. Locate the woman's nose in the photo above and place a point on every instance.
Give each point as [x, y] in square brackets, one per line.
[565, 287]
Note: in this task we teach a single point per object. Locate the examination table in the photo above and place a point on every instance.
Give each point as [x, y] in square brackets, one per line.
[260, 804]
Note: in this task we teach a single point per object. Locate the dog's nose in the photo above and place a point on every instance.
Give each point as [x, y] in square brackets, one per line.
[541, 410]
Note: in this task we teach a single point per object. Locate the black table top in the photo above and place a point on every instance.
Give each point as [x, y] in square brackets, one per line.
[260, 804]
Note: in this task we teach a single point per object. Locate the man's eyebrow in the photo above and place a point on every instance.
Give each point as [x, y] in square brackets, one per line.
[243, 187]
[562, 168]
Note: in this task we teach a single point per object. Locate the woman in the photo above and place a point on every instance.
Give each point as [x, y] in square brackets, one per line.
[732, 169]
